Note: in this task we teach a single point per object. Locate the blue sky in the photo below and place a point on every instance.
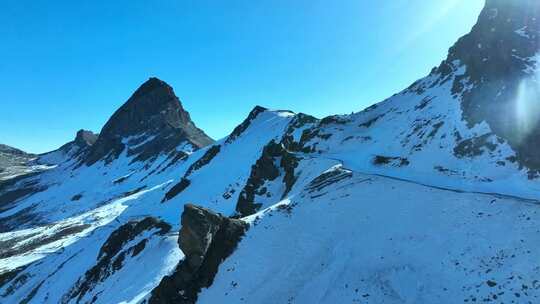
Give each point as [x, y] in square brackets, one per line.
[68, 65]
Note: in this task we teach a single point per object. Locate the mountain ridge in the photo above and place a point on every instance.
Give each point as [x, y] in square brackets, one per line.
[404, 202]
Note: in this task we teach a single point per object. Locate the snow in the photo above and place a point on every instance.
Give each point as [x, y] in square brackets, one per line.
[112, 194]
[522, 32]
[394, 241]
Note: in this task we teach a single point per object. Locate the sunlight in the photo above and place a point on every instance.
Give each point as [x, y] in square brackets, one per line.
[442, 10]
[528, 104]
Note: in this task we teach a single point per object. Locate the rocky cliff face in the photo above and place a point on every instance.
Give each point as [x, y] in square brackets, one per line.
[206, 239]
[500, 85]
[151, 122]
[85, 138]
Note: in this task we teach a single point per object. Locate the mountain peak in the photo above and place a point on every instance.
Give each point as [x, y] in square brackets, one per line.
[85, 138]
[153, 84]
[500, 71]
[154, 114]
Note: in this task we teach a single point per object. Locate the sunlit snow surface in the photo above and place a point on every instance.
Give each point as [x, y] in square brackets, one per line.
[370, 239]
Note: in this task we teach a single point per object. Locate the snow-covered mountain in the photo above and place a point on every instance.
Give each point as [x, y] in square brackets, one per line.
[431, 196]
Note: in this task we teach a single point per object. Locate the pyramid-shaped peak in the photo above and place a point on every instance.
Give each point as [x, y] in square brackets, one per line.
[152, 112]
[153, 84]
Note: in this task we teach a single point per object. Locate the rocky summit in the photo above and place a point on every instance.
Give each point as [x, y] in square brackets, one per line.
[430, 196]
[85, 138]
[74, 150]
[501, 84]
[151, 122]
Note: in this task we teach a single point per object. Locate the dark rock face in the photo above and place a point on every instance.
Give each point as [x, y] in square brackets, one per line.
[380, 160]
[499, 85]
[199, 227]
[328, 178]
[274, 160]
[113, 253]
[85, 138]
[151, 122]
[300, 120]
[177, 189]
[204, 160]
[207, 239]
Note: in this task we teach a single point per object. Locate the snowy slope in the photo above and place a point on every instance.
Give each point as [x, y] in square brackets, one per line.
[422, 198]
[61, 228]
[363, 238]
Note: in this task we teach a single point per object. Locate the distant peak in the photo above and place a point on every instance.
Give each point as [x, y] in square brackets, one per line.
[85, 138]
[258, 109]
[152, 112]
[153, 84]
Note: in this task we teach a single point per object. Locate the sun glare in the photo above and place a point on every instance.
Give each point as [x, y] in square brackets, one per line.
[528, 103]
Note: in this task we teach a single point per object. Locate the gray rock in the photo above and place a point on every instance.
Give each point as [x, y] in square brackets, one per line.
[199, 227]
[207, 239]
[497, 54]
[151, 122]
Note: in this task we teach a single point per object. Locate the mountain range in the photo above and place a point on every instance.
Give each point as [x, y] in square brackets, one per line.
[430, 196]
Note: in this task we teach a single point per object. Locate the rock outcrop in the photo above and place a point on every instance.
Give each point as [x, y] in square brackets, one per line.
[206, 238]
[85, 138]
[116, 249]
[73, 150]
[274, 162]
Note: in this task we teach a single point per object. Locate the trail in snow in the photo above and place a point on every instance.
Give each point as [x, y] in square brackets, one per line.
[457, 190]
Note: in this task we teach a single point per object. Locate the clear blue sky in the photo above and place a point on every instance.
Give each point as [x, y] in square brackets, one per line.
[68, 65]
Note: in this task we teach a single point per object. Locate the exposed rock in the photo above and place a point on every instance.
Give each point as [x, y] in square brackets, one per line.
[177, 189]
[151, 122]
[274, 160]
[113, 253]
[199, 226]
[328, 178]
[333, 119]
[207, 239]
[475, 146]
[499, 85]
[85, 138]
[300, 122]
[204, 160]
[390, 160]
[6, 277]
